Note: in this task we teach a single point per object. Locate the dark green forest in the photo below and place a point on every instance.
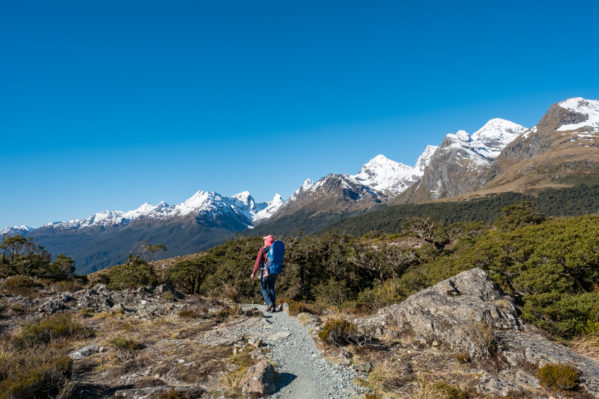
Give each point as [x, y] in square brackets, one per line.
[582, 199]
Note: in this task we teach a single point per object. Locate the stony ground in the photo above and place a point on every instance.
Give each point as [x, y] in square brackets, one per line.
[459, 339]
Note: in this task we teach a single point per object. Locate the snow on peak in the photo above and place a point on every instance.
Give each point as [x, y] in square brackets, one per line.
[269, 210]
[497, 133]
[202, 202]
[588, 108]
[486, 143]
[308, 184]
[425, 158]
[383, 174]
[244, 197]
[462, 135]
[16, 230]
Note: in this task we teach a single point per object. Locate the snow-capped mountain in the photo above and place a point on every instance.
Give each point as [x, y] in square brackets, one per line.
[564, 145]
[485, 144]
[267, 211]
[384, 174]
[458, 165]
[106, 238]
[205, 203]
[582, 115]
[334, 194]
[14, 230]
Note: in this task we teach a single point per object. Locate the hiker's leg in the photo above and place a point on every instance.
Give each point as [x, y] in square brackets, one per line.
[271, 289]
[264, 290]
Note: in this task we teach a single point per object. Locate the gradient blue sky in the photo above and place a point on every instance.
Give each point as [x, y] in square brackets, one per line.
[106, 105]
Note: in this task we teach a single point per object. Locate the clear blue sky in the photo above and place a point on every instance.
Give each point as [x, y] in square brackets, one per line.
[106, 105]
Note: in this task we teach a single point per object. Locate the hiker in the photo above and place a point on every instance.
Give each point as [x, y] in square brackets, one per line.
[270, 263]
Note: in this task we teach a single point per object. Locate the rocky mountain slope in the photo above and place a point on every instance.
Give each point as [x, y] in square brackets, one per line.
[459, 164]
[337, 196]
[562, 147]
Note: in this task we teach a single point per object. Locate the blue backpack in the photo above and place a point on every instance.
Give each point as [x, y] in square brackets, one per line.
[274, 257]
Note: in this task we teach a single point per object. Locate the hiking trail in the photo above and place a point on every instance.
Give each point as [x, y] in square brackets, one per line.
[303, 372]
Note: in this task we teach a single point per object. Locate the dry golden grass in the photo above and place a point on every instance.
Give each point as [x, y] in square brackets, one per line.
[439, 390]
[587, 345]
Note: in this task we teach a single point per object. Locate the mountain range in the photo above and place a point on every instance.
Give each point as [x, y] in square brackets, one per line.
[500, 156]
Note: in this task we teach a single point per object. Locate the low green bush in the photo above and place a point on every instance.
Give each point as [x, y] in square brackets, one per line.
[132, 275]
[558, 377]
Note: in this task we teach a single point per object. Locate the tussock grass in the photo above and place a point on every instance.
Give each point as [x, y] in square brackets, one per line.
[45, 331]
[338, 332]
[126, 343]
[33, 373]
[587, 345]
[439, 390]
[21, 285]
[297, 307]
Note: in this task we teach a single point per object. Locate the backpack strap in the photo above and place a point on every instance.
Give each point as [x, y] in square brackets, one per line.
[266, 254]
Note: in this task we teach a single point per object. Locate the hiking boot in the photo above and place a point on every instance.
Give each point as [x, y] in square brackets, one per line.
[270, 308]
[279, 308]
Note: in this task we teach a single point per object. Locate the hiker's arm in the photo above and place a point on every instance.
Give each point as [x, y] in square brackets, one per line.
[258, 262]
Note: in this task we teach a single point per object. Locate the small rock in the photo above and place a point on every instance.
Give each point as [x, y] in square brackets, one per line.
[364, 367]
[118, 308]
[279, 335]
[85, 351]
[259, 380]
[257, 342]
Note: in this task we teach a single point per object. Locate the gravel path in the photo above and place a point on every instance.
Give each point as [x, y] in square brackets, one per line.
[303, 371]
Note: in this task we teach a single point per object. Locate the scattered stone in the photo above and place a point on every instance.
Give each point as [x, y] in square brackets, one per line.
[85, 352]
[363, 367]
[255, 341]
[259, 380]
[51, 307]
[278, 336]
[118, 308]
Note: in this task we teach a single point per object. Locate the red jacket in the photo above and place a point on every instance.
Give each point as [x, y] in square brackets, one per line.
[260, 258]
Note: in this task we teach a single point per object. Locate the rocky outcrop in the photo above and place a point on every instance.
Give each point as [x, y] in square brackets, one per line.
[469, 315]
[450, 312]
